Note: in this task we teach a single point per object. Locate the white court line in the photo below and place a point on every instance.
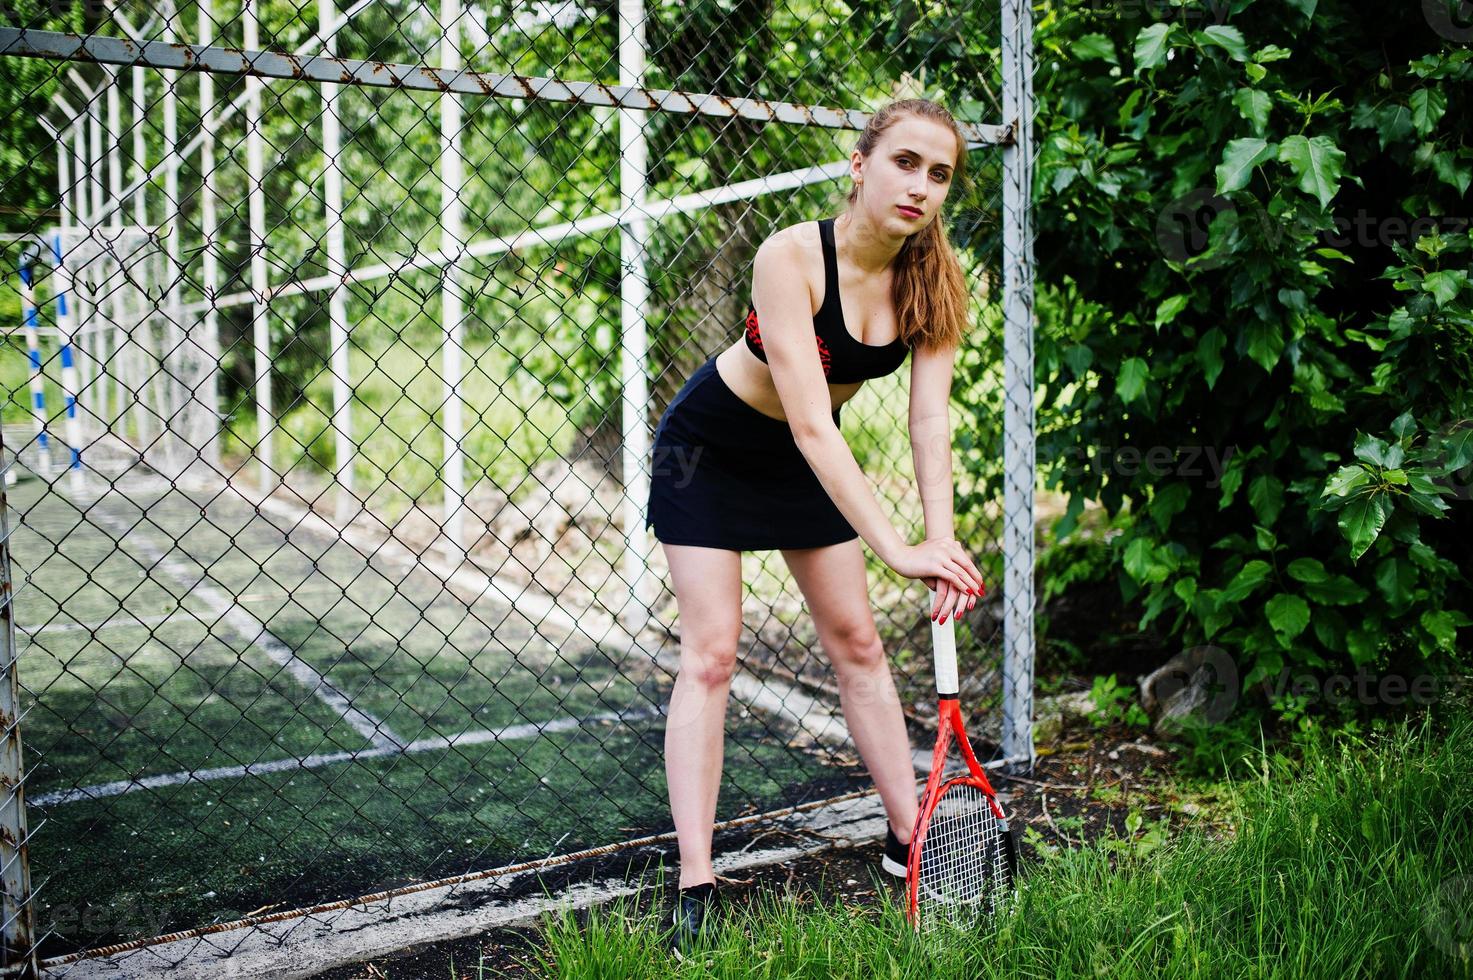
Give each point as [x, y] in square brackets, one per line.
[432, 743]
[253, 631]
[768, 694]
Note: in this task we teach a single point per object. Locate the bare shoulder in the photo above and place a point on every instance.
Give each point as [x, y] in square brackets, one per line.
[794, 247]
[798, 238]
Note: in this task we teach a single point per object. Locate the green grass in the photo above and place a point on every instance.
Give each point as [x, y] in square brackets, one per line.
[1347, 862]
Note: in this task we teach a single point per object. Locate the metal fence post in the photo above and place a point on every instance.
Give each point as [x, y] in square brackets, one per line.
[1018, 433]
[15, 870]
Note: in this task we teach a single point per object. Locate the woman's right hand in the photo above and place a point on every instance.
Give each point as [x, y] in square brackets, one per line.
[945, 567]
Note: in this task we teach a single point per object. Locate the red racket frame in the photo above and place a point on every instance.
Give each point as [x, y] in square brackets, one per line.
[949, 721]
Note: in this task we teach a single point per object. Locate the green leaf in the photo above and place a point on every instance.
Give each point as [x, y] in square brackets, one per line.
[1092, 46]
[1361, 523]
[1253, 106]
[1440, 624]
[1428, 106]
[1168, 308]
[1265, 343]
[1346, 480]
[1457, 448]
[1239, 157]
[1372, 450]
[1266, 497]
[1079, 357]
[1138, 559]
[1403, 425]
[1364, 645]
[1230, 39]
[1317, 162]
[1287, 614]
[1133, 376]
[1249, 578]
[1338, 591]
[1272, 52]
[1168, 501]
[1445, 285]
[1308, 570]
[1150, 45]
[1209, 355]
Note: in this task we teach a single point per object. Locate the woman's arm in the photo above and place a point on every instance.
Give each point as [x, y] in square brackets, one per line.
[930, 437]
[782, 299]
[930, 447]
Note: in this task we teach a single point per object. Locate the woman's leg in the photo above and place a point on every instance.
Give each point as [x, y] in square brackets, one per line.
[836, 588]
[708, 597]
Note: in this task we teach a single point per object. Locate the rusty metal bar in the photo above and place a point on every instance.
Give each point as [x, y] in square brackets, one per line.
[103, 49]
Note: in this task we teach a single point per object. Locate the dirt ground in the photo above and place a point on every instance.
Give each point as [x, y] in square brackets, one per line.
[1086, 785]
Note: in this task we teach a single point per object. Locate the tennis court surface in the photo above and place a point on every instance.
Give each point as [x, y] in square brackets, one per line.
[226, 710]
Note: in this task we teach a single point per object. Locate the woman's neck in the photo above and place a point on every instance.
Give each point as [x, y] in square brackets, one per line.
[864, 244]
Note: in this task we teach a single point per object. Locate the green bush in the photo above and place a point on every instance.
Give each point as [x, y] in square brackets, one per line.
[1234, 277]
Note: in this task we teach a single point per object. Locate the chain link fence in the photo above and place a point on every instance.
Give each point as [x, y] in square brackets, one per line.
[334, 344]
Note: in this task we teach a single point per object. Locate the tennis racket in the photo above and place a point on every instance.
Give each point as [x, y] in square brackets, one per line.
[963, 860]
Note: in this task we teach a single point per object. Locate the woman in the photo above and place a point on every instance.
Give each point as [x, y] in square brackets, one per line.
[748, 456]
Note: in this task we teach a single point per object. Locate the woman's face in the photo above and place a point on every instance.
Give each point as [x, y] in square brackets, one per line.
[907, 176]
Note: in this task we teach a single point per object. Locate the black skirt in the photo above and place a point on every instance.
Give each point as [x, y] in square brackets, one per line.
[723, 475]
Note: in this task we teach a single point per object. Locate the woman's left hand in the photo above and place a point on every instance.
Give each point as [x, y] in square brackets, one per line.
[950, 603]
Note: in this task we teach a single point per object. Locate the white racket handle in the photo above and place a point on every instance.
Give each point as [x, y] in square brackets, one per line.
[943, 645]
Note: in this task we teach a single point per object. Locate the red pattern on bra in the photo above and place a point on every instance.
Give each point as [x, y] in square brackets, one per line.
[754, 334]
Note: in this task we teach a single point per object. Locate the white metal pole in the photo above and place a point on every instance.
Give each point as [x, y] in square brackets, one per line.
[90, 301]
[256, 205]
[452, 308]
[207, 394]
[117, 401]
[66, 326]
[337, 266]
[1018, 422]
[633, 306]
[139, 324]
[173, 331]
[81, 220]
[94, 172]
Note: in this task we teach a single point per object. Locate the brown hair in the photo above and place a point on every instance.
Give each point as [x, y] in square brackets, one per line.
[930, 290]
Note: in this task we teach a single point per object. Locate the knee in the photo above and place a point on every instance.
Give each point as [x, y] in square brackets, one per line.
[709, 664]
[856, 646]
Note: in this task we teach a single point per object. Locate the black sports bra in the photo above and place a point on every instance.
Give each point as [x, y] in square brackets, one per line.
[845, 360]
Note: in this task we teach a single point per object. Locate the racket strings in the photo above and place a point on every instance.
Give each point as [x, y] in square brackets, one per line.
[963, 869]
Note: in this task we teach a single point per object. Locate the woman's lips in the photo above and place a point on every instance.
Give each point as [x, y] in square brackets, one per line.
[908, 212]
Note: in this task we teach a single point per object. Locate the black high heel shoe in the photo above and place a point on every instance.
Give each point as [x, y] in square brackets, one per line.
[697, 911]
